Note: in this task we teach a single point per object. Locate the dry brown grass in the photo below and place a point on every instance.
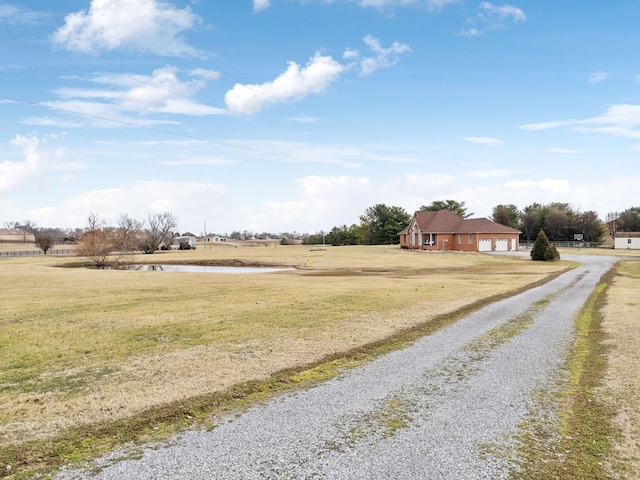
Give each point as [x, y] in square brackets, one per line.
[599, 251]
[622, 381]
[81, 346]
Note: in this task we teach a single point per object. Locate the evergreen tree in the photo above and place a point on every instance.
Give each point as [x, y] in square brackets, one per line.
[551, 254]
[452, 205]
[381, 224]
[543, 250]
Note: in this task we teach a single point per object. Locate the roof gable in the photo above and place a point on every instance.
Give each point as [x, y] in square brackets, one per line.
[442, 221]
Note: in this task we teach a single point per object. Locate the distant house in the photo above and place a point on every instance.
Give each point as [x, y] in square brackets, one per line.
[190, 240]
[215, 239]
[16, 235]
[444, 230]
[627, 241]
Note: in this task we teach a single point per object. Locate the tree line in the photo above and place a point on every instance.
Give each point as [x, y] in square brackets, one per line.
[102, 243]
[381, 224]
[560, 221]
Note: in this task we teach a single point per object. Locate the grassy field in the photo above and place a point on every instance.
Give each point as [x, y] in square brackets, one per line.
[84, 347]
[621, 386]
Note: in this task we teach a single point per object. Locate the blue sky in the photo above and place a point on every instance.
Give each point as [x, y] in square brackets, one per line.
[297, 115]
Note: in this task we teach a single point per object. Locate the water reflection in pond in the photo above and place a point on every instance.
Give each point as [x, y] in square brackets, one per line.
[201, 268]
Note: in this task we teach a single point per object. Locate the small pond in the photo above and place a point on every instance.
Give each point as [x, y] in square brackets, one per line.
[202, 269]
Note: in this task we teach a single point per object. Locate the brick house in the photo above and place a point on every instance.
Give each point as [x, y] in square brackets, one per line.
[444, 230]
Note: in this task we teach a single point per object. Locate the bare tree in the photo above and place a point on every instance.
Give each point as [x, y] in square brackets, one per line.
[612, 223]
[159, 227]
[45, 240]
[99, 243]
[129, 232]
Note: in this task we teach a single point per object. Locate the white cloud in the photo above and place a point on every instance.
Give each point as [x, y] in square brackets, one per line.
[492, 17]
[121, 95]
[621, 120]
[598, 77]
[568, 151]
[488, 141]
[187, 200]
[489, 173]
[558, 186]
[15, 173]
[384, 57]
[196, 161]
[37, 161]
[14, 15]
[140, 25]
[318, 198]
[320, 72]
[303, 119]
[431, 5]
[9, 67]
[536, 127]
[205, 74]
[345, 156]
[260, 5]
[504, 12]
[294, 83]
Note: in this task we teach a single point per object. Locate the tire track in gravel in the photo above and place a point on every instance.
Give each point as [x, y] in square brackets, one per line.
[428, 411]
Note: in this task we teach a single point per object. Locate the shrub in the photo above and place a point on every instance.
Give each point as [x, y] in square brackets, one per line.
[551, 253]
[543, 250]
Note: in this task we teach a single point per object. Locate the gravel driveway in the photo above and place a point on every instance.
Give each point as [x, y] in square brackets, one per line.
[436, 410]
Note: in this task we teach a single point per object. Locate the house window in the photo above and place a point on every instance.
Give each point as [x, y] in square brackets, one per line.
[470, 239]
[628, 240]
[460, 238]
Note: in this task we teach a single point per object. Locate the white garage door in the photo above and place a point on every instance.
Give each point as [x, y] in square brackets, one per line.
[502, 245]
[484, 245]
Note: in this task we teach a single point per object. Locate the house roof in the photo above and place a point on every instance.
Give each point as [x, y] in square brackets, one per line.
[445, 221]
[628, 234]
[13, 231]
[442, 221]
[484, 225]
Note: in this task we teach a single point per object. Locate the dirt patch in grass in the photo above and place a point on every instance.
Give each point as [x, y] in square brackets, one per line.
[622, 380]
